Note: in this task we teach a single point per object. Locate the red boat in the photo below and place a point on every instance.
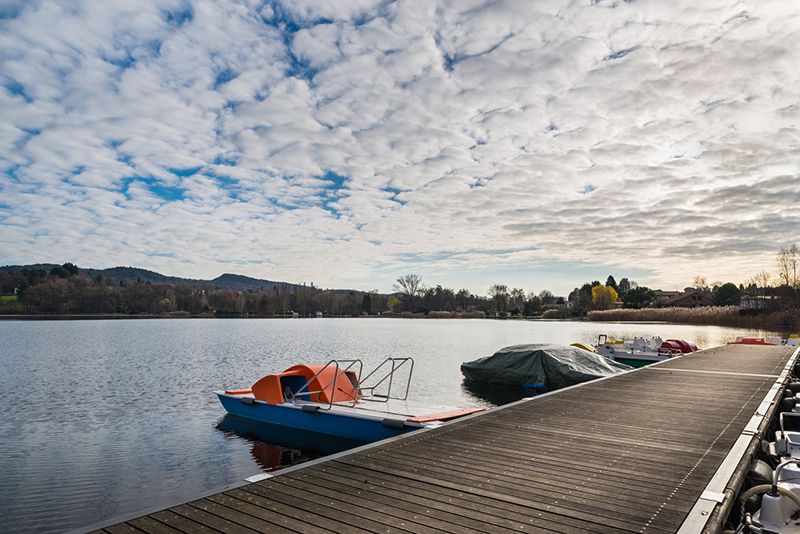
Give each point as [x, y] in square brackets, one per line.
[750, 341]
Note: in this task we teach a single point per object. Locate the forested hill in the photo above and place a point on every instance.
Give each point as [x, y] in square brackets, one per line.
[128, 275]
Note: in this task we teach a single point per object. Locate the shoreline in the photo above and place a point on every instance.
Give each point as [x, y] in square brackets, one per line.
[764, 322]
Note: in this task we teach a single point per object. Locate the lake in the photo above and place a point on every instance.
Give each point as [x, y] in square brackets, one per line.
[106, 418]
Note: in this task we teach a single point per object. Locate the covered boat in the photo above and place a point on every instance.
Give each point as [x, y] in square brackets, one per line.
[334, 399]
[541, 367]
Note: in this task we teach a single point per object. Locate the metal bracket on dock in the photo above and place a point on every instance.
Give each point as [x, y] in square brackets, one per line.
[713, 496]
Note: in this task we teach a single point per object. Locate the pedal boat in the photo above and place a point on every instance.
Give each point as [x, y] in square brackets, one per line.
[640, 351]
[333, 399]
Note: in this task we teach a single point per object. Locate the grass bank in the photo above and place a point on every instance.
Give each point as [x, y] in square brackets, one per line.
[10, 304]
[777, 321]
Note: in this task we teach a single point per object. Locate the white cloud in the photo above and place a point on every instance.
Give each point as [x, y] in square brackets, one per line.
[350, 142]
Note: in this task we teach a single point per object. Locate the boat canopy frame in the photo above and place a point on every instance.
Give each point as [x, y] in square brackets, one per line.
[363, 393]
[372, 396]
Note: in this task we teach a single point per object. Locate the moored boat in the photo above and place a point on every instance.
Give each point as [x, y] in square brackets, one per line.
[539, 367]
[333, 399]
[792, 341]
[740, 340]
[641, 351]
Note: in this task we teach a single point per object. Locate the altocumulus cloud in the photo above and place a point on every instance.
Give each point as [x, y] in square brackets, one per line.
[349, 142]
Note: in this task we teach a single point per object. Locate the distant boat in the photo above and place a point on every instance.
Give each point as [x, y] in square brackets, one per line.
[332, 399]
[641, 351]
[752, 341]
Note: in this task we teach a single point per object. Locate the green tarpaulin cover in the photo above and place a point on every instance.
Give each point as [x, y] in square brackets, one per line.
[534, 365]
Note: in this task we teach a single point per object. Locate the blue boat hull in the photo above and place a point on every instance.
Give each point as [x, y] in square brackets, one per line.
[324, 422]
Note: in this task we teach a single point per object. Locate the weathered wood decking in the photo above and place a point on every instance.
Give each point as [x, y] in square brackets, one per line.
[656, 450]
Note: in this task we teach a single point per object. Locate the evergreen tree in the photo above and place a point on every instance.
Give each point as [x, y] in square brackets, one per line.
[638, 297]
[623, 286]
[610, 282]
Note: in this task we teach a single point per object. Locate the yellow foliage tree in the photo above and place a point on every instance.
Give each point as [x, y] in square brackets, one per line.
[394, 304]
[603, 297]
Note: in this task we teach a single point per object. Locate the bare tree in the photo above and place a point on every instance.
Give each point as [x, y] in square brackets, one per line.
[787, 261]
[700, 283]
[547, 297]
[410, 286]
[499, 294]
[757, 288]
[517, 296]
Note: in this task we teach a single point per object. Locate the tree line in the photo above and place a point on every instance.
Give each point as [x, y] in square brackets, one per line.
[66, 290]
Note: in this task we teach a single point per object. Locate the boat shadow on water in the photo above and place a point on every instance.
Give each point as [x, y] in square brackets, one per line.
[274, 447]
[497, 395]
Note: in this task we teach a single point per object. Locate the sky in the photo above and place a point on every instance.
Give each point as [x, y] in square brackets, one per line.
[346, 143]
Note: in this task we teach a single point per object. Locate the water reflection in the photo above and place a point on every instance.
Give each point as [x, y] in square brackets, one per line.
[274, 447]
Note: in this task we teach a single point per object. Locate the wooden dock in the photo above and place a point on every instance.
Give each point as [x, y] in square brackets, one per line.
[661, 449]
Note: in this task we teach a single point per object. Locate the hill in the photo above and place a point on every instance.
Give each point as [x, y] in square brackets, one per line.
[239, 282]
[235, 282]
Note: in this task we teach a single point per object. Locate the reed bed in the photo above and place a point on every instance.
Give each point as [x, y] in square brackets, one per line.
[436, 315]
[555, 314]
[457, 315]
[788, 320]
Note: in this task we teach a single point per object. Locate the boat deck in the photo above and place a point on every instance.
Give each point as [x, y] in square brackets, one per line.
[660, 449]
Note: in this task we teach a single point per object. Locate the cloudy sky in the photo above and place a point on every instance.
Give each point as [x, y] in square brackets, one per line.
[537, 144]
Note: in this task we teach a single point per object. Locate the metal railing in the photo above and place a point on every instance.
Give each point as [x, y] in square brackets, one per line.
[382, 375]
[394, 365]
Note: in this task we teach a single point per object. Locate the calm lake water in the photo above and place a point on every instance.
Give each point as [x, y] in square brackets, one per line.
[106, 418]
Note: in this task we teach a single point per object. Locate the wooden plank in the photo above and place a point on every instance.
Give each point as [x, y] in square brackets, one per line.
[181, 523]
[294, 519]
[557, 499]
[122, 529]
[576, 479]
[221, 508]
[151, 526]
[487, 505]
[201, 516]
[600, 456]
[501, 461]
[501, 494]
[329, 502]
[561, 482]
[493, 511]
[418, 513]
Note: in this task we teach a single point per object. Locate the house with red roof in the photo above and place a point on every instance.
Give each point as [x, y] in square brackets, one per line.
[689, 298]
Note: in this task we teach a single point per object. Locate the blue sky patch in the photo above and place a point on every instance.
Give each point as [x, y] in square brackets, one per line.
[180, 17]
[122, 62]
[168, 193]
[621, 53]
[16, 88]
[335, 181]
[395, 192]
[185, 172]
[223, 77]
[225, 161]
